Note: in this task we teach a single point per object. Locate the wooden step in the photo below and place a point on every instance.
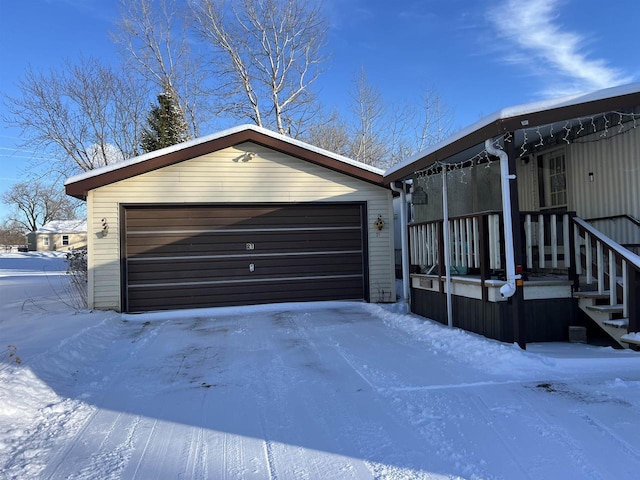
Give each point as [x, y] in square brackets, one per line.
[606, 308]
[617, 323]
[592, 294]
[633, 338]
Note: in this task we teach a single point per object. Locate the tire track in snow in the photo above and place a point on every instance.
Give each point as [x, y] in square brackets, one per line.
[625, 446]
[196, 456]
[481, 409]
[198, 449]
[286, 402]
[377, 454]
[92, 344]
[562, 437]
[428, 412]
[145, 448]
[268, 453]
[110, 460]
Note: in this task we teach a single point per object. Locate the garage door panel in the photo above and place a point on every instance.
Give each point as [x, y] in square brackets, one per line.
[234, 243]
[251, 269]
[197, 256]
[229, 217]
[291, 291]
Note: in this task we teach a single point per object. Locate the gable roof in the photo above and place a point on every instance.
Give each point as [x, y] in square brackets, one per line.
[64, 226]
[79, 185]
[516, 118]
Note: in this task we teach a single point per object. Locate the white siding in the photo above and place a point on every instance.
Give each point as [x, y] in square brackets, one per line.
[615, 163]
[226, 177]
[527, 175]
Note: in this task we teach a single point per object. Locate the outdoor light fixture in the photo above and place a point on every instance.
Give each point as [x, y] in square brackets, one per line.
[105, 227]
[244, 157]
[379, 223]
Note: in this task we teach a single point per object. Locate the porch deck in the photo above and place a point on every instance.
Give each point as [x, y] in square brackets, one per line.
[536, 286]
[562, 257]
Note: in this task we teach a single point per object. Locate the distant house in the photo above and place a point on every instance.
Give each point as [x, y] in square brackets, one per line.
[58, 235]
[526, 225]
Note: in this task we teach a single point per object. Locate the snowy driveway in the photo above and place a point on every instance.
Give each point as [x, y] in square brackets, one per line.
[311, 391]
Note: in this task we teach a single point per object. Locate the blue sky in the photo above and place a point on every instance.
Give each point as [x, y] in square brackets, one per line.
[479, 55]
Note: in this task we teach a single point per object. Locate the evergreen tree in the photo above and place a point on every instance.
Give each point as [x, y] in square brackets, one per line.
[166, 125]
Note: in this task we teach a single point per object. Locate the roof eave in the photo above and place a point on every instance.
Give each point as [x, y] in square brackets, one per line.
[500, 126]
[81, 188]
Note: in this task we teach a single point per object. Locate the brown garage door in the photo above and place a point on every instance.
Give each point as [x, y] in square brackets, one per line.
[203, 255]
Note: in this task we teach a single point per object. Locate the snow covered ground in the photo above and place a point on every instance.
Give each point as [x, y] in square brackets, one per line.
[296, 391]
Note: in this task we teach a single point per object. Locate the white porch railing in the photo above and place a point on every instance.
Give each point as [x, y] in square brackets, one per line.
[615, 273]
[546, 242]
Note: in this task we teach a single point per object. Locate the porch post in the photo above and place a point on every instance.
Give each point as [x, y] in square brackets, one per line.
[483, 231]
[633, 277]
[517, 300]
[445, 241]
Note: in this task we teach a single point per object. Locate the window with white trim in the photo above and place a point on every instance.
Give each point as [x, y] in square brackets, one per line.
[554, 168]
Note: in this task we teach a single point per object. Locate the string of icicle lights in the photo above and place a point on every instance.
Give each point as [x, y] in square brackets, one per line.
[608, 125]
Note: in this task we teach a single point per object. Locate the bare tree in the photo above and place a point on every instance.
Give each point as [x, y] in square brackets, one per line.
[412, 127]
[435, 120]
[266, 55]
[330, 133]
[36, 203]
[153, 38]
[380, 133]
[368, 133]
[84, 115]
[11, 233]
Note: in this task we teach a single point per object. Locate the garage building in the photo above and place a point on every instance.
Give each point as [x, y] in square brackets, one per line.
[241, 217]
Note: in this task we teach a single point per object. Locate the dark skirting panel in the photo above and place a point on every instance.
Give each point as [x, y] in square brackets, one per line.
[546, 320]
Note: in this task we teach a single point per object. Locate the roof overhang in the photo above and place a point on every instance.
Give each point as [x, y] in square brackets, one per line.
[79, 185]
[514, 119]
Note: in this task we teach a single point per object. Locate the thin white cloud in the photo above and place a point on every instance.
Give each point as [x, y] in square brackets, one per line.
[542, 43]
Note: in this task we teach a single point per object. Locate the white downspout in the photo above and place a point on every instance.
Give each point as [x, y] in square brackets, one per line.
[509, 289]
[406, 293]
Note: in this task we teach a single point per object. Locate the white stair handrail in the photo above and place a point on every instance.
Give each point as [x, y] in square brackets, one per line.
[630, 257]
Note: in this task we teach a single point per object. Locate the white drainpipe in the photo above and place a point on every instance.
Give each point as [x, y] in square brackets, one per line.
[403, 240]
[509, 289]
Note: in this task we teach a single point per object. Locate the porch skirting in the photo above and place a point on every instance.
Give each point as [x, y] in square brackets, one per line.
[547, 320]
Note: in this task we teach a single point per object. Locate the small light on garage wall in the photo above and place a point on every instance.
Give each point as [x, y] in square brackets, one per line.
[244, 157]
[591, 176]
[105, 228]
[379, 223]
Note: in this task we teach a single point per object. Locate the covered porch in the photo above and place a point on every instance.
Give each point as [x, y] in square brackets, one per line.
[495, 239]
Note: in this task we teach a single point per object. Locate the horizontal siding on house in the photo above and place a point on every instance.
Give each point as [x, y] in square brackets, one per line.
[55, 241]
[615, 163]
[224, 177]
